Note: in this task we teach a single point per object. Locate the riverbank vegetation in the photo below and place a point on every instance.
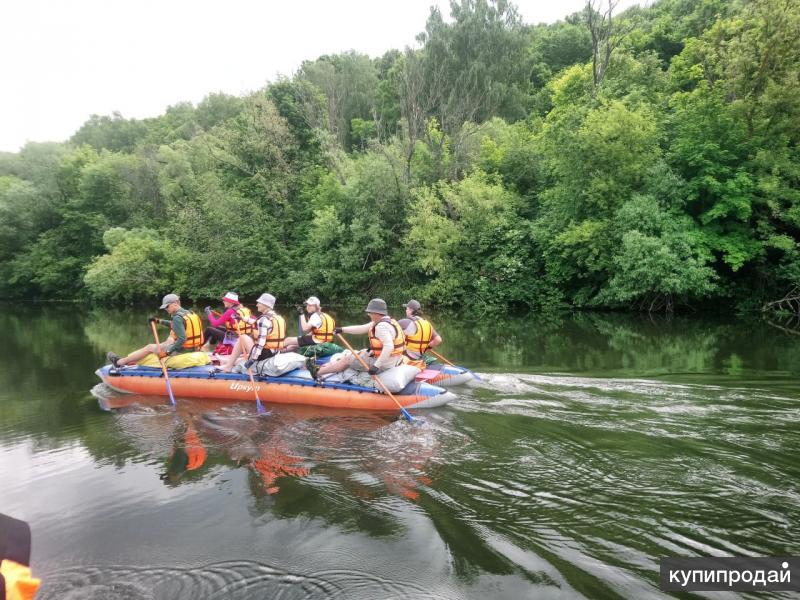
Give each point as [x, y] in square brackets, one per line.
[647, 160]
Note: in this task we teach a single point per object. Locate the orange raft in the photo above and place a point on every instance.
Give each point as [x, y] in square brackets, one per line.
[293, 388]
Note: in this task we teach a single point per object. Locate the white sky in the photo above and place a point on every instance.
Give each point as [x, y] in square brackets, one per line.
[62, 60]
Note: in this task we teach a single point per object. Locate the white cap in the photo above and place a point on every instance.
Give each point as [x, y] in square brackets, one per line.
[267, 300]
[312, 300]
[231, 297]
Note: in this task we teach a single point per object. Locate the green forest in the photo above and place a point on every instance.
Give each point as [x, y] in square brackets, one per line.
[646, 160]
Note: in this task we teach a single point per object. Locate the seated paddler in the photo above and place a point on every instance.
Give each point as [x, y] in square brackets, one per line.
[270, 337]
[233, 322]
[386, 344]
[317, 326]
[185, 335]
[420, 334]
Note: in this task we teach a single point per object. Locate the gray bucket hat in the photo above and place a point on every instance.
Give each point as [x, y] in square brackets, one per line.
[169, 299]
[376, 305]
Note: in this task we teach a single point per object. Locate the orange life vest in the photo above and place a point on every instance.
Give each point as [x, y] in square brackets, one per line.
[323, 333]
[242, 325]
[194, 330]
[399, 341]
[277, 334]
[421, 338]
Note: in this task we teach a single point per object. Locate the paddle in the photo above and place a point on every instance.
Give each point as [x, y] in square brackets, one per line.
[259, 408]
[403, 411]
[447, 362]
[163, 363]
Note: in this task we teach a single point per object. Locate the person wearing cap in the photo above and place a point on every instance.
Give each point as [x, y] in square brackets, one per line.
[235, 321]
[186, 334]
[270, 339]
[16, 582]
[318, 326]
[386, 343]
[420, 334]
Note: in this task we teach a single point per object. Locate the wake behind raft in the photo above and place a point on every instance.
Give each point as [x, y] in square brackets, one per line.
[294, 387]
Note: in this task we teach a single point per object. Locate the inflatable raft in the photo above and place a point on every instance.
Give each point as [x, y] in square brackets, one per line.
[437, 374]
[445, 375]
[294, 387]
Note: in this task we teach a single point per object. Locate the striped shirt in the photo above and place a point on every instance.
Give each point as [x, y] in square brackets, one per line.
[264, 326]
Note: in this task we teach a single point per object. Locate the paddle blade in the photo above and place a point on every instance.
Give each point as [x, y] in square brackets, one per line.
[406, 414]
[171, 395]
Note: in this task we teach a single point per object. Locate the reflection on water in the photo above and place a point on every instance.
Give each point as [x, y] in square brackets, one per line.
[595, 445]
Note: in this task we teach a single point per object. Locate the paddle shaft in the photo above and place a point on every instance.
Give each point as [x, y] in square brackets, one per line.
[259, 407]
[447, 362]
[375, 377]
[163, 363]
[440, 357]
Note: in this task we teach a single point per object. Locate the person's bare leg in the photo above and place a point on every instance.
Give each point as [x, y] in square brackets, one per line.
[226, 362]
[137, 355]
[243, 346]
[290, 344]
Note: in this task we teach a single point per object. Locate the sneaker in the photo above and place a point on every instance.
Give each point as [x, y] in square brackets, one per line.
[113, 358]
[312, 367]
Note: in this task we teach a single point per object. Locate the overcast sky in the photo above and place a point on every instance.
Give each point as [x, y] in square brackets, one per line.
[63, 60]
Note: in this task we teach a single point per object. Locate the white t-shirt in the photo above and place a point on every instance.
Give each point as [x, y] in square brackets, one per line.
[314, 320]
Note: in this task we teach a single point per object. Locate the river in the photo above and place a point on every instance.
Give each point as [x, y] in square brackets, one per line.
[594, 445]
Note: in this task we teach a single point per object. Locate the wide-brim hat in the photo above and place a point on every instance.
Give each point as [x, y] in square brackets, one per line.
[231, 297]
[378, 306]
[266, 300]
[313, 300]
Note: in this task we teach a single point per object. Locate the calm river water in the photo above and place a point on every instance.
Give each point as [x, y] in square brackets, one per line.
[594, 445]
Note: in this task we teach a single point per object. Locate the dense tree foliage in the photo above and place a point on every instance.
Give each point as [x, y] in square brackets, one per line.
[648, 163]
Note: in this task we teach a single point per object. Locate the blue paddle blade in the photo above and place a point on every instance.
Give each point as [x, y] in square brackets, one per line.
[171, 395]
[406, 414]
[476, 376]
[261, 410]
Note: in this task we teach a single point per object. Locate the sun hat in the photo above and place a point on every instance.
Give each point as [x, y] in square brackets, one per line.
[231, 297]
[378, 306]
[267, 300]
[313, 300]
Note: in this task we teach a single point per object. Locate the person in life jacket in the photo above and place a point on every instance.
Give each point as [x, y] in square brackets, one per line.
[420, 334]
[232, 323]
[318, 326]
[186, 334]
[16, 582]
[270, 337]
[386, 344]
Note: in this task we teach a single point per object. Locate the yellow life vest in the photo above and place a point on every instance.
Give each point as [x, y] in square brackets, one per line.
[323, 333]
[421, 338]
[243, 324]
[399, 341]
[277, 334]
[194, 330]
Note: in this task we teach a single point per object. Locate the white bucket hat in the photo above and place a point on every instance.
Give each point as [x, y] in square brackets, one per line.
[267, 300]
[231, 297]
[313, 300]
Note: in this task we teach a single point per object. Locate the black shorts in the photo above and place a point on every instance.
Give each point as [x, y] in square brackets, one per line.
[214, 334]
[305, 340]
[265, 354]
